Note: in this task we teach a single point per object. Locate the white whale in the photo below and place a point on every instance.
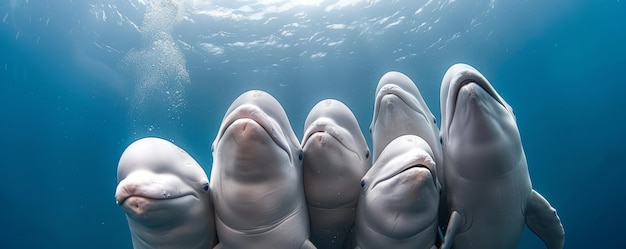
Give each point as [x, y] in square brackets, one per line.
[165, 194]
[256, 179]
[400, 200]
[335, 159]
[488, 188]
[399, 109]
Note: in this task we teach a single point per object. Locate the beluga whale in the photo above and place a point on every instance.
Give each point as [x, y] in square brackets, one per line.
[399, 202]
[256, 179]
[165, 194]
[489, 191]
[336, 157]
[400, 109]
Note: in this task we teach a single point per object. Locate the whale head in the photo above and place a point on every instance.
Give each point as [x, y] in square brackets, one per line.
[158, 181]
[163, 190]
[257, 134]
[256, 175]
[478, 128]
[335, 153]
[399, 109]
[400, 198]
[336, 157]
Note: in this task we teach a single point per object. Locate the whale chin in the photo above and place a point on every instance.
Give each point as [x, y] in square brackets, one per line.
[154, 212]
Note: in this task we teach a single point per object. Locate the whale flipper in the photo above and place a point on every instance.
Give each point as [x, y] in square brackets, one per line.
[308, 245]
[543, 220]
[454, 224]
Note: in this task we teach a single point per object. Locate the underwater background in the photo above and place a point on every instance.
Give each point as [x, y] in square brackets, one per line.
[81, 80]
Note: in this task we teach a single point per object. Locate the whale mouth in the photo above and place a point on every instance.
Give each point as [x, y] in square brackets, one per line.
[405, 164]
[487, 88]
[397, 91]
[410, 169]
[150, 211]
[146, 185]
[322, 132]
[326, 128]
[411, 194]
[469, 86]
[122, 200]
[460, 80]
[255, 114]
[317, 128]
[406, 170]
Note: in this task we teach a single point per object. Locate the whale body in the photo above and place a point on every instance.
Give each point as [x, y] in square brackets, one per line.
[488, 187]
[399, 203]
[165, 194]
[256, 179]
[400, 109]
[335, 159]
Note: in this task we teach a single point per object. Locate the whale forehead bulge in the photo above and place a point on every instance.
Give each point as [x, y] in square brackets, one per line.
[159, 156]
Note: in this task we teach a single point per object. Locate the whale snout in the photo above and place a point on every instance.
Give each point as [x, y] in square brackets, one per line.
[152, 212]
[246, 130]
[149, 185]
[136, 205]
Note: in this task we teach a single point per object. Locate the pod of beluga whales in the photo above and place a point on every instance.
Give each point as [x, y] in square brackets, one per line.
[464, 186]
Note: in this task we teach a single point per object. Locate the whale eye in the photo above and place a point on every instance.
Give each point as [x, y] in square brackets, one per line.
[440, 140]
[300, 155]
[362, 183]
[367, 155]
[205, 187]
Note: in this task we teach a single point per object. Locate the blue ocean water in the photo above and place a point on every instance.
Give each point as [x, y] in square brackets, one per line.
[82, 79]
